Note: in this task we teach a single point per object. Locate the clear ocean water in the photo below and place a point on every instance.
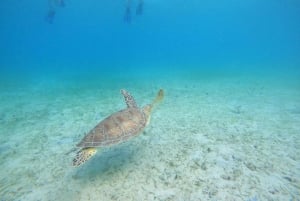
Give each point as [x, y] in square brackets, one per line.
[227, 129]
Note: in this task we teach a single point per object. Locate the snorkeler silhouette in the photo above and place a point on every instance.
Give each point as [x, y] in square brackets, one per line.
[127, 16]
[51, 12]
[139, 8]
[138, 11]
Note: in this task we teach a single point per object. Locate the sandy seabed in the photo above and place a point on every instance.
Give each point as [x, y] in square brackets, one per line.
[227, 138]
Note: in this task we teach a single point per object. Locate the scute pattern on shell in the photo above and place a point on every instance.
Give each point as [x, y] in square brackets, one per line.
[116, 128]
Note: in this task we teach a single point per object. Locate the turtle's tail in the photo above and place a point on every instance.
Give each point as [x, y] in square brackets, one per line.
[84, 155]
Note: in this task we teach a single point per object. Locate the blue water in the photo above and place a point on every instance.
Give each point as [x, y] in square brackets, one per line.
[228, 127]
[171, 33]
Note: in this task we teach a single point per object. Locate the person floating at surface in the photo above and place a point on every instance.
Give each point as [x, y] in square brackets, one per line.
[138, 11]
[127, 15]
[51, 12]
[61, 3]
[50, 16]
[139, 8]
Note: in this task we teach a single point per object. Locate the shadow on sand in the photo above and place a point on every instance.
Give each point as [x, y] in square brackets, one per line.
[107, 163]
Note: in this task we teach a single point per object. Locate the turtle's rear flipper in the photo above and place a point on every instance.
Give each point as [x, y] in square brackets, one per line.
[83, 155]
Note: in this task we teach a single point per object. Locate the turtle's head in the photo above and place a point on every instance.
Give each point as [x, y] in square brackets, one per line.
[147, 111]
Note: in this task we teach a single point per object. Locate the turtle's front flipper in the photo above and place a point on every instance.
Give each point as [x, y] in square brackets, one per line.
[83, 155]
[130, 102]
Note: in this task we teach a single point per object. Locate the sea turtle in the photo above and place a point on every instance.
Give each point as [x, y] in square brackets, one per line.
[116, 128]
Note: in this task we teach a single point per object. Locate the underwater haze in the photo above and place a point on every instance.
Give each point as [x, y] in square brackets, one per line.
[227, 128]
